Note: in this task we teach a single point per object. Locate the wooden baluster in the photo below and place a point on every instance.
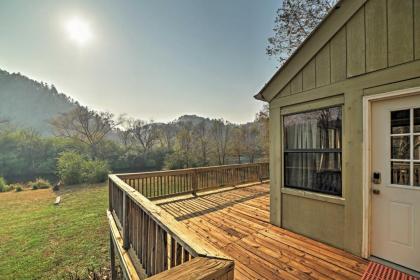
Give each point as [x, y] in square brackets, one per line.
[178, 258]
[125, 223]
[186, 256]
[164, 250]
[161, 185]
[135, 222]
[173, 252]
[112, 256]
[167, 187]
[159, 250]
[154, 186]
[139, 235]
[110, 194]
[144, 239]
[150, 245]
[194, 182]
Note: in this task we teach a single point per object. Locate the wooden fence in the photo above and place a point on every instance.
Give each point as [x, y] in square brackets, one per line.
[149, 242]
[174, 182]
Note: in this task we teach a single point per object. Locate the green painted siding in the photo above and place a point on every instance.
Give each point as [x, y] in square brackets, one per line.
[400, 31]
[376, 32]
[376, 51]
[321, 221]
[356, 61]
[417, 28]
[338, 56]
[322, 66]
[382, 33]
[297, 83]
[308, 75]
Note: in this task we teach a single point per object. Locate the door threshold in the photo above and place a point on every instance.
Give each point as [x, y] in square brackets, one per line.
[395, 266]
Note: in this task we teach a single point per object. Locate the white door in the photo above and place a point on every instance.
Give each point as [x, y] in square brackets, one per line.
[395, 146]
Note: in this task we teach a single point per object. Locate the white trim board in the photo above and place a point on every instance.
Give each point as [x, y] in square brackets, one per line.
[367, 104]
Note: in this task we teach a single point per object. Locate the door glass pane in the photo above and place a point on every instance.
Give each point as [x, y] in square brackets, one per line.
[400, 173]
[400, 147]
[320, 129]
[400, 122]
[416, 147]
[417, 174]
[319, 172]
[417, 120]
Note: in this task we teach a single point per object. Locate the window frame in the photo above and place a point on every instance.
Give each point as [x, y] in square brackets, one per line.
[411, 161]
[284, 151]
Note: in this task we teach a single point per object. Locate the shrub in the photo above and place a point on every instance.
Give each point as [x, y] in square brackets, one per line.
[3, 186]
[95, 171]
[18, 188]
[75, 169]
[40, 183]
[70, 167]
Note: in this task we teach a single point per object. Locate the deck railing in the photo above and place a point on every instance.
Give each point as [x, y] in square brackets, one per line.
[149, 242]
[174, 182]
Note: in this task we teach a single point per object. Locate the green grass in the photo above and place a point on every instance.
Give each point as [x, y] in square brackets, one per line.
[41, 241]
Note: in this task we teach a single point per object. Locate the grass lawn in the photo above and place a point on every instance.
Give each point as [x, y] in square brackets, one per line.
[41, 241]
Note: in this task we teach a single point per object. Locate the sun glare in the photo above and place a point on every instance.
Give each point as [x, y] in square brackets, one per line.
[78, 31]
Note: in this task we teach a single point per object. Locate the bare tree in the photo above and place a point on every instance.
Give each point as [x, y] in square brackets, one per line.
[124, 131]
[250, 140]
[295, 20]
[236, 143]
[167, 133]
[145, 133]
[262, 119]
[84, 125]
[221, 134]
[201, 133]
[185, 143]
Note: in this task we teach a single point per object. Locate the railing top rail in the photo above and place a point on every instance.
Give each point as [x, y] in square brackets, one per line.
[139, 175]
[177, 230]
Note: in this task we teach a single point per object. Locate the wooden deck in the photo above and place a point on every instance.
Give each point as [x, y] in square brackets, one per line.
[236, 221]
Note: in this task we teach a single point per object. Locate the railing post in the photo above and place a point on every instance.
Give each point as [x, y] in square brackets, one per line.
[126, 243]
[194, 182]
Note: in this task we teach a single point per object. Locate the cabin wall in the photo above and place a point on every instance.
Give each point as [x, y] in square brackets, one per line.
[378, 50]
[383, 33]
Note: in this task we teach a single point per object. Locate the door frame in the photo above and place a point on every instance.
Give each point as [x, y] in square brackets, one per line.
[367, 170]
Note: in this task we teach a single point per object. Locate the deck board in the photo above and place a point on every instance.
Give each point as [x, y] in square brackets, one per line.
[237, 222]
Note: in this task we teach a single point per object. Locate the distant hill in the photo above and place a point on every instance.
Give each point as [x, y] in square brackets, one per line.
[193, 119]
[26, 103]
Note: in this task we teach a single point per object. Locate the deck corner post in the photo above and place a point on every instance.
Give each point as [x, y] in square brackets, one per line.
[126, 242]
[112, 257]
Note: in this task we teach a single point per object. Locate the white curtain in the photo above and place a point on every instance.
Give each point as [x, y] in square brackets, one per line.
[300, 167]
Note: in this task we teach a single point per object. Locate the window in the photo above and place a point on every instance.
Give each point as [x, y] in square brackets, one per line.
[405, 147]
[312, 151]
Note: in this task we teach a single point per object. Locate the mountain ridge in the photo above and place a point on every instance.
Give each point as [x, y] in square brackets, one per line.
[27, 103]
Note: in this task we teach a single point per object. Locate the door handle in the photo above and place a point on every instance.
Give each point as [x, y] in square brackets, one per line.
[376, 191]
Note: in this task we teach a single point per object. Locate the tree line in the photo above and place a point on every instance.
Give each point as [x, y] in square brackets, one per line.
[125, 144]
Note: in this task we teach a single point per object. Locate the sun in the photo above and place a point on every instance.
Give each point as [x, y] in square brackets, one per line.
[79, 31]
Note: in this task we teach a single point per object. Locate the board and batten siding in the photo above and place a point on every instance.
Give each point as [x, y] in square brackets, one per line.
[381, 34]
[376, 50]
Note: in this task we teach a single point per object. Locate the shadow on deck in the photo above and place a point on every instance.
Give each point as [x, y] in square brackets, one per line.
[236, 221]
[206, 203]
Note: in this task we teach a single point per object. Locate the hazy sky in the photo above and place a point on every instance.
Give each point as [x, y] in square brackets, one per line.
[150, 59]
